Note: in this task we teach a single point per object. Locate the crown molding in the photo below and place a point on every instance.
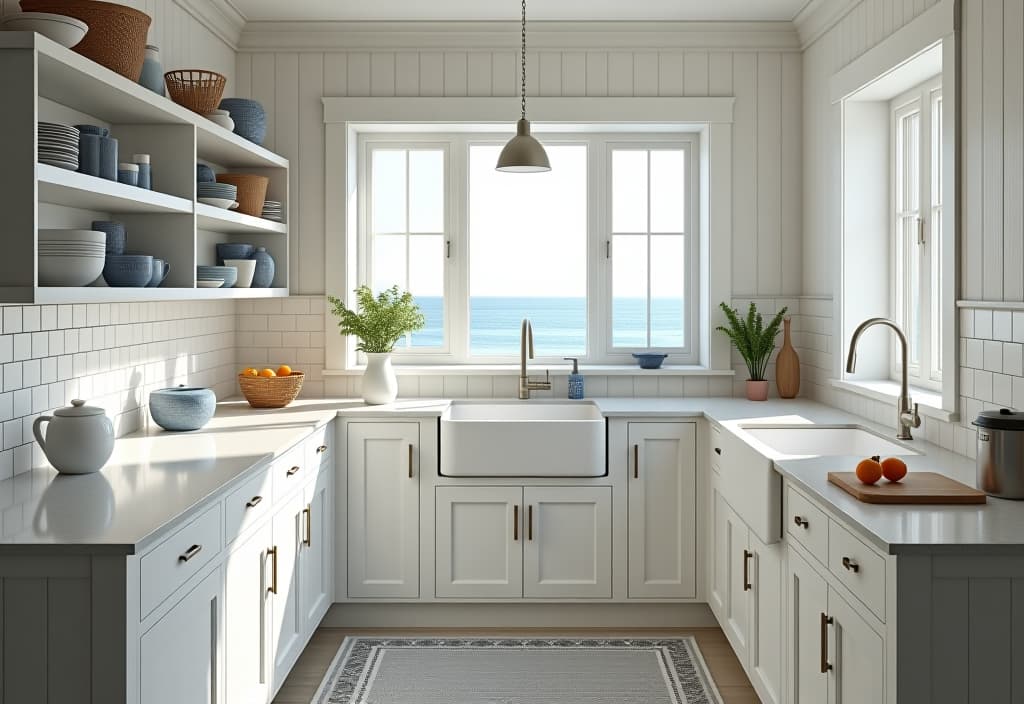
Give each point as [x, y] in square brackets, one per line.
[819, 16]
[219, 16]
[491, 35]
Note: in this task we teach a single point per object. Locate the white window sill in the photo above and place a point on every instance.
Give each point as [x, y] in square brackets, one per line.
[535, 369]
[886, 390]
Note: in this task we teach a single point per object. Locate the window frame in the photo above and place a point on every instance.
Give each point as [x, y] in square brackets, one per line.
[599, 251]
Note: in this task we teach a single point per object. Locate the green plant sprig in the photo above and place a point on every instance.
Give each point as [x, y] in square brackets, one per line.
[381, 320]
[752, 339]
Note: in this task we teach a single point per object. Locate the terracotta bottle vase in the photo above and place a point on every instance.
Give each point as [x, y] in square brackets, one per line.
[787, 366]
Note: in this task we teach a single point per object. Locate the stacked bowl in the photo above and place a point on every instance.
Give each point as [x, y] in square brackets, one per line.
[272, 210]
[216, 276]
[219, 195]
[71, 257]
[58, 145]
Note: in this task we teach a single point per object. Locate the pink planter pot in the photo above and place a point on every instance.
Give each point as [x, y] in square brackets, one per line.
[757, 390]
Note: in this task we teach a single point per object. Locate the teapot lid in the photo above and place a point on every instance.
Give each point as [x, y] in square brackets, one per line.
[78, 409]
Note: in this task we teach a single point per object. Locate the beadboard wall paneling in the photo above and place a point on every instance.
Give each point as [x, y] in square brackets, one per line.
[768, 85]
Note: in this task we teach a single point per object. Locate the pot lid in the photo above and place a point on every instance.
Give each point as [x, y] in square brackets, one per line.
[1001, 419]
[78, 409]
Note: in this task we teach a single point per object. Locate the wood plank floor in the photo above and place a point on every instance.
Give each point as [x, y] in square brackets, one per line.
[726, 671]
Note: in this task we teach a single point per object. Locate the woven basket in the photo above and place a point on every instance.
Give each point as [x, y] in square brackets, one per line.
[272, 391]
[116, 37]
[252, 191]
[196, 89]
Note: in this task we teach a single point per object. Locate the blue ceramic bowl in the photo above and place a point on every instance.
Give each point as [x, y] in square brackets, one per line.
[649, 360]
[204, 174]
[228, 273]
[182, 408]
[128, 270]
[249, 116]
[230, 250]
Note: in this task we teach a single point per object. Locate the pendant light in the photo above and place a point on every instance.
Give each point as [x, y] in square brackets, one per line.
[523, 153]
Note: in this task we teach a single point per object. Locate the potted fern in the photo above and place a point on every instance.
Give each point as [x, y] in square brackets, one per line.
[755, 342]
[378, 324]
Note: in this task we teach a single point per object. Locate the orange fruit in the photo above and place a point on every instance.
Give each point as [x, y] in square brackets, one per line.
[869, 471]
[267, 372]
[249, 371]
[284, 370]
[894, 469]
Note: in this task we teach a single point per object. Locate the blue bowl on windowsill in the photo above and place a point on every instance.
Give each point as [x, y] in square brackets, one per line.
[649, 360]
[182, 408]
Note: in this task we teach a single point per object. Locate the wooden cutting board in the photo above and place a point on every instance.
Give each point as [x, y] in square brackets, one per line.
[915, 488]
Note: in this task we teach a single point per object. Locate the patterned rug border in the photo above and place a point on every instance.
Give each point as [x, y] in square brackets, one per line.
[701, 671]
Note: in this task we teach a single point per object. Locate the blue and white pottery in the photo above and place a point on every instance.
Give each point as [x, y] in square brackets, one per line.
[182, 408]
[128, 174]
[108, 158]
[145, 171]
[89, 154]
[649, 360]
[230, 250]
[264, 275]
[128, 270]
[153, 71]
[116, 237]
[249, 116]
[160, 271]
[229, 274]
[204, 174]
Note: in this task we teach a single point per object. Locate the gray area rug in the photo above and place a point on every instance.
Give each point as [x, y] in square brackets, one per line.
[518, 671]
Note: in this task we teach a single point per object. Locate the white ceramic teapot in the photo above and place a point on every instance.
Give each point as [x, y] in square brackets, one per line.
[79, 438]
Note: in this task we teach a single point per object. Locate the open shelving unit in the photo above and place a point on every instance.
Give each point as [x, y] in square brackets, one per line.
[43, 81]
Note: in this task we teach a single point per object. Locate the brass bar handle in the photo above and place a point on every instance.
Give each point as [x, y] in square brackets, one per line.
[308, 513]
[636, 461]
[293, 471]
[747, 586]
[272, 552]
[253, 502]
[321, 450]
[851, 565]
[801, 521]
[515, 522]
[826, 621]
[190, 553]
[529, 522]
[410, 460]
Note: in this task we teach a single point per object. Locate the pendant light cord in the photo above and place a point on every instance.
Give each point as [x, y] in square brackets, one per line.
[523, 90]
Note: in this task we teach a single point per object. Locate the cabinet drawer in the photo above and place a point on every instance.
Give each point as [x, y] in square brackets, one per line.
[806, 524]
[289, 472]
[858, 567]
[177, 559]
[319, 448]
[247, 504]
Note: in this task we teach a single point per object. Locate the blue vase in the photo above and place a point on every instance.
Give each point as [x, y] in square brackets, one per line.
[152, 71]
[264, 275]
[108, 158]
[249, 117]
[182, 408]
[89, 154]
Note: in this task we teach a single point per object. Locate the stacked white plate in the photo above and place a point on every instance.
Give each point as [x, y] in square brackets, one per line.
[58, 145]
[272, 210]
[71, 257]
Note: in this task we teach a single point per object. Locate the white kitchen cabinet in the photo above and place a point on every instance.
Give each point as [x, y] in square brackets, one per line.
[766, 620]
[247, 633]
[733, 559]
[479, 542]
[316, 560]
[567, 552]
[181, 654]
[662, 492]
[383, 509]
[857, 655]
[807, 605]
[286, 616]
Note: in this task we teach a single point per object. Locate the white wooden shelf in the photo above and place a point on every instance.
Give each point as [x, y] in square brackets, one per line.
[63, 187]
[104, 294]
[209, 217]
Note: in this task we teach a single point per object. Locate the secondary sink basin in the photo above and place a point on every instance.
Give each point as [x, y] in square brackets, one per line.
[824, 441]
[522, 439]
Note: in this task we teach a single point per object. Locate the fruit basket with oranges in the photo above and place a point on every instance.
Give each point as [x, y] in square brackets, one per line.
[267, 388]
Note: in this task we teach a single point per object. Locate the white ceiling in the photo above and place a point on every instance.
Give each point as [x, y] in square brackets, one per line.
[479, 10]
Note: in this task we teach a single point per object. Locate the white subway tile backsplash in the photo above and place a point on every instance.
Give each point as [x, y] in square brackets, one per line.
[1013, 359]
[1002, 325]
[993, 355]
[1002, 390]
[983, 324]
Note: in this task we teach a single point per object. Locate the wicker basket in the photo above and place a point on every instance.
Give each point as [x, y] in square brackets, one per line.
[116, 37]
[252, 191]
[272, 391]
[196, 89]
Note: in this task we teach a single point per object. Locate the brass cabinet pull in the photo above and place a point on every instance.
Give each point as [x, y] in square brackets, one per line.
[293, 471]
[190, 553]
[529, 522]
[308, 513]
[321, 450]
[801, 521]
[636, 461]
[851, 565]
[515, 522]
[826, 621]
[747, 586]
[272, 552]
[253, 502]
[410, 460]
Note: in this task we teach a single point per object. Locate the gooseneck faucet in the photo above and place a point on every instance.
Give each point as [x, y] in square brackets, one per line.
[526, 347]
[907, 416]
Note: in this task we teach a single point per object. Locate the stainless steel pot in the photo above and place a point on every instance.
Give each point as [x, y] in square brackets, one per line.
[1001, 453]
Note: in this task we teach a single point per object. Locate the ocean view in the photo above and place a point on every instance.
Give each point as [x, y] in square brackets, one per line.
[559, 324]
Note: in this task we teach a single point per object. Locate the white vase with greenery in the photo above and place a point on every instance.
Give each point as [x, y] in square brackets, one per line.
[378, 324]
[755, 342]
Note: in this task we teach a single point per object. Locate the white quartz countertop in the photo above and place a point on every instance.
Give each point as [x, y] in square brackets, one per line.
[156, 477]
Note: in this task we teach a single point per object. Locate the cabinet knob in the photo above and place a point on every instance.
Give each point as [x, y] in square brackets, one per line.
[801, 521]
[253, 502]
[293, 471]
[850, 565]
[321, 450]
[718, 450]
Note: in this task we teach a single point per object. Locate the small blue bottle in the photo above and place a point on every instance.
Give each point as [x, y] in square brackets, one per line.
[575, 379]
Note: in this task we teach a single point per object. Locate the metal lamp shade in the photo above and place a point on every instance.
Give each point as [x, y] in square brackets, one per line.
[523, 153]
